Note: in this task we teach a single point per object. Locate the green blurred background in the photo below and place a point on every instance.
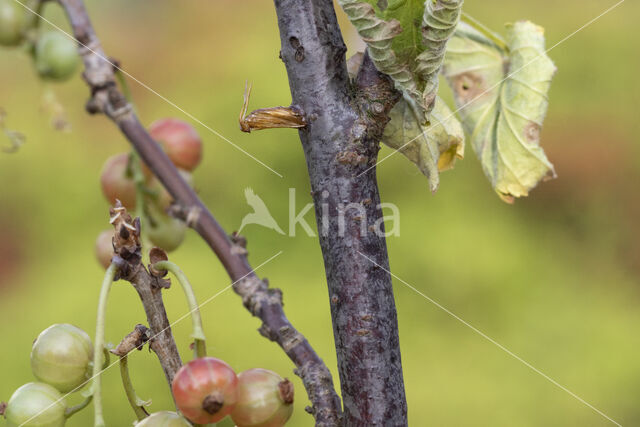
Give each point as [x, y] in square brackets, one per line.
[555, 278]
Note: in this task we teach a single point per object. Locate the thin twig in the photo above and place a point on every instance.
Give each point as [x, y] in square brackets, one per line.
[128, 257]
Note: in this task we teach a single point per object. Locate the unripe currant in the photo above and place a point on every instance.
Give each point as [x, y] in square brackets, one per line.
[61, 356]
[265, 399]
[115, 182]
[36, 405]
[162, 197]
[13, 21]
[179, 140]
[163, 419]
[164, 231]
[205, 390]
[104, 248]
[55, 56]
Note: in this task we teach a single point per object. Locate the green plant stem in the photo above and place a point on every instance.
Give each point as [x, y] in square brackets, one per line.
[485, 31]
[141, 413]
[98, 356]
[69, 412]
[198, 331]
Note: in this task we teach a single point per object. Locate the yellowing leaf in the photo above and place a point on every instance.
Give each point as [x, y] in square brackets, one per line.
[502, 98]
[434, 148]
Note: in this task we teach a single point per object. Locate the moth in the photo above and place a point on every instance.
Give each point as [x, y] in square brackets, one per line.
[269, 118]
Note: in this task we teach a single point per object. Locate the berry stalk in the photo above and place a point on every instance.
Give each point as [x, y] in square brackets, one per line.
[133, 399]
[194, 309]
[98, 355]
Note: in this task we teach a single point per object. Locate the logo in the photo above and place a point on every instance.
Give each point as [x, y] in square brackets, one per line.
[262, 216]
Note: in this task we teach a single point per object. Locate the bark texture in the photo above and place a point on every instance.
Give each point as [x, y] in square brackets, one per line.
[341, 140]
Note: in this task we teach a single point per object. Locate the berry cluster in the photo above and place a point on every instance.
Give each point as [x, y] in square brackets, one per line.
[61, 359]
[207, 389]
[124, 177]
[54, 53]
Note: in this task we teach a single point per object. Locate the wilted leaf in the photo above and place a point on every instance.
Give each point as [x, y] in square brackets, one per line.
[407, 41]
[434, 148]
[502, 98]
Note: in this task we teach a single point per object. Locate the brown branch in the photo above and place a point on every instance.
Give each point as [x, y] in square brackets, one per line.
[341, 143]
[263, 302]
[128, 257]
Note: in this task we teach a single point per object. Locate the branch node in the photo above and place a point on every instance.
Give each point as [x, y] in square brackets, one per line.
[193, 215]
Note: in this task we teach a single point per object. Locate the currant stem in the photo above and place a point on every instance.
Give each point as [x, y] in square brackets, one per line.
[98, 355]
[135, 170]
[198, 331]
[486, 31]
[69, 412]
[140, 411]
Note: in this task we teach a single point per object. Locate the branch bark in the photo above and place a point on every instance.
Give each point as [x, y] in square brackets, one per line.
[263, 302]
[340, 141]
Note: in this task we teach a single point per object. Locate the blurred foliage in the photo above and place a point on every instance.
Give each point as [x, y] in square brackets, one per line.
[554, 278]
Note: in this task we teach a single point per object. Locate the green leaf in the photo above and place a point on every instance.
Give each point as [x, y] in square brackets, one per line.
[502, 100]
[407, 41]
[434, 148]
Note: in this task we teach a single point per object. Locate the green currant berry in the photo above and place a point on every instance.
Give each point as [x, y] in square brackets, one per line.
[104, 248]
[56, 57]
[13, 20]
[162, 198]
[165, 232]
[180, 141]
[116, 184]
[36, 405]
[205, 390]
[164, 419]
[61, 356]
[265, 399]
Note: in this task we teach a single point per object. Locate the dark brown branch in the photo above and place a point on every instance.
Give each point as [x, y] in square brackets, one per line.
[127, 249]
[107, 99]
[341, 141]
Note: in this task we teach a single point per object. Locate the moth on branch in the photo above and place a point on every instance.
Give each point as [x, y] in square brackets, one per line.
[269, 118]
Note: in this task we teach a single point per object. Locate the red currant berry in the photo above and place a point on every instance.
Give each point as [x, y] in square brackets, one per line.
[115, 182]
[205, 390]
[61, 356]
[180, 141]
[36, 405]
[265, 399]
[163, 419]
[104, 248]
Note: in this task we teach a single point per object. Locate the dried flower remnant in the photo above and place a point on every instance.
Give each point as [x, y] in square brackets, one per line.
[135, 340]
[16, 139]
[51, 106]
[269, 118]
